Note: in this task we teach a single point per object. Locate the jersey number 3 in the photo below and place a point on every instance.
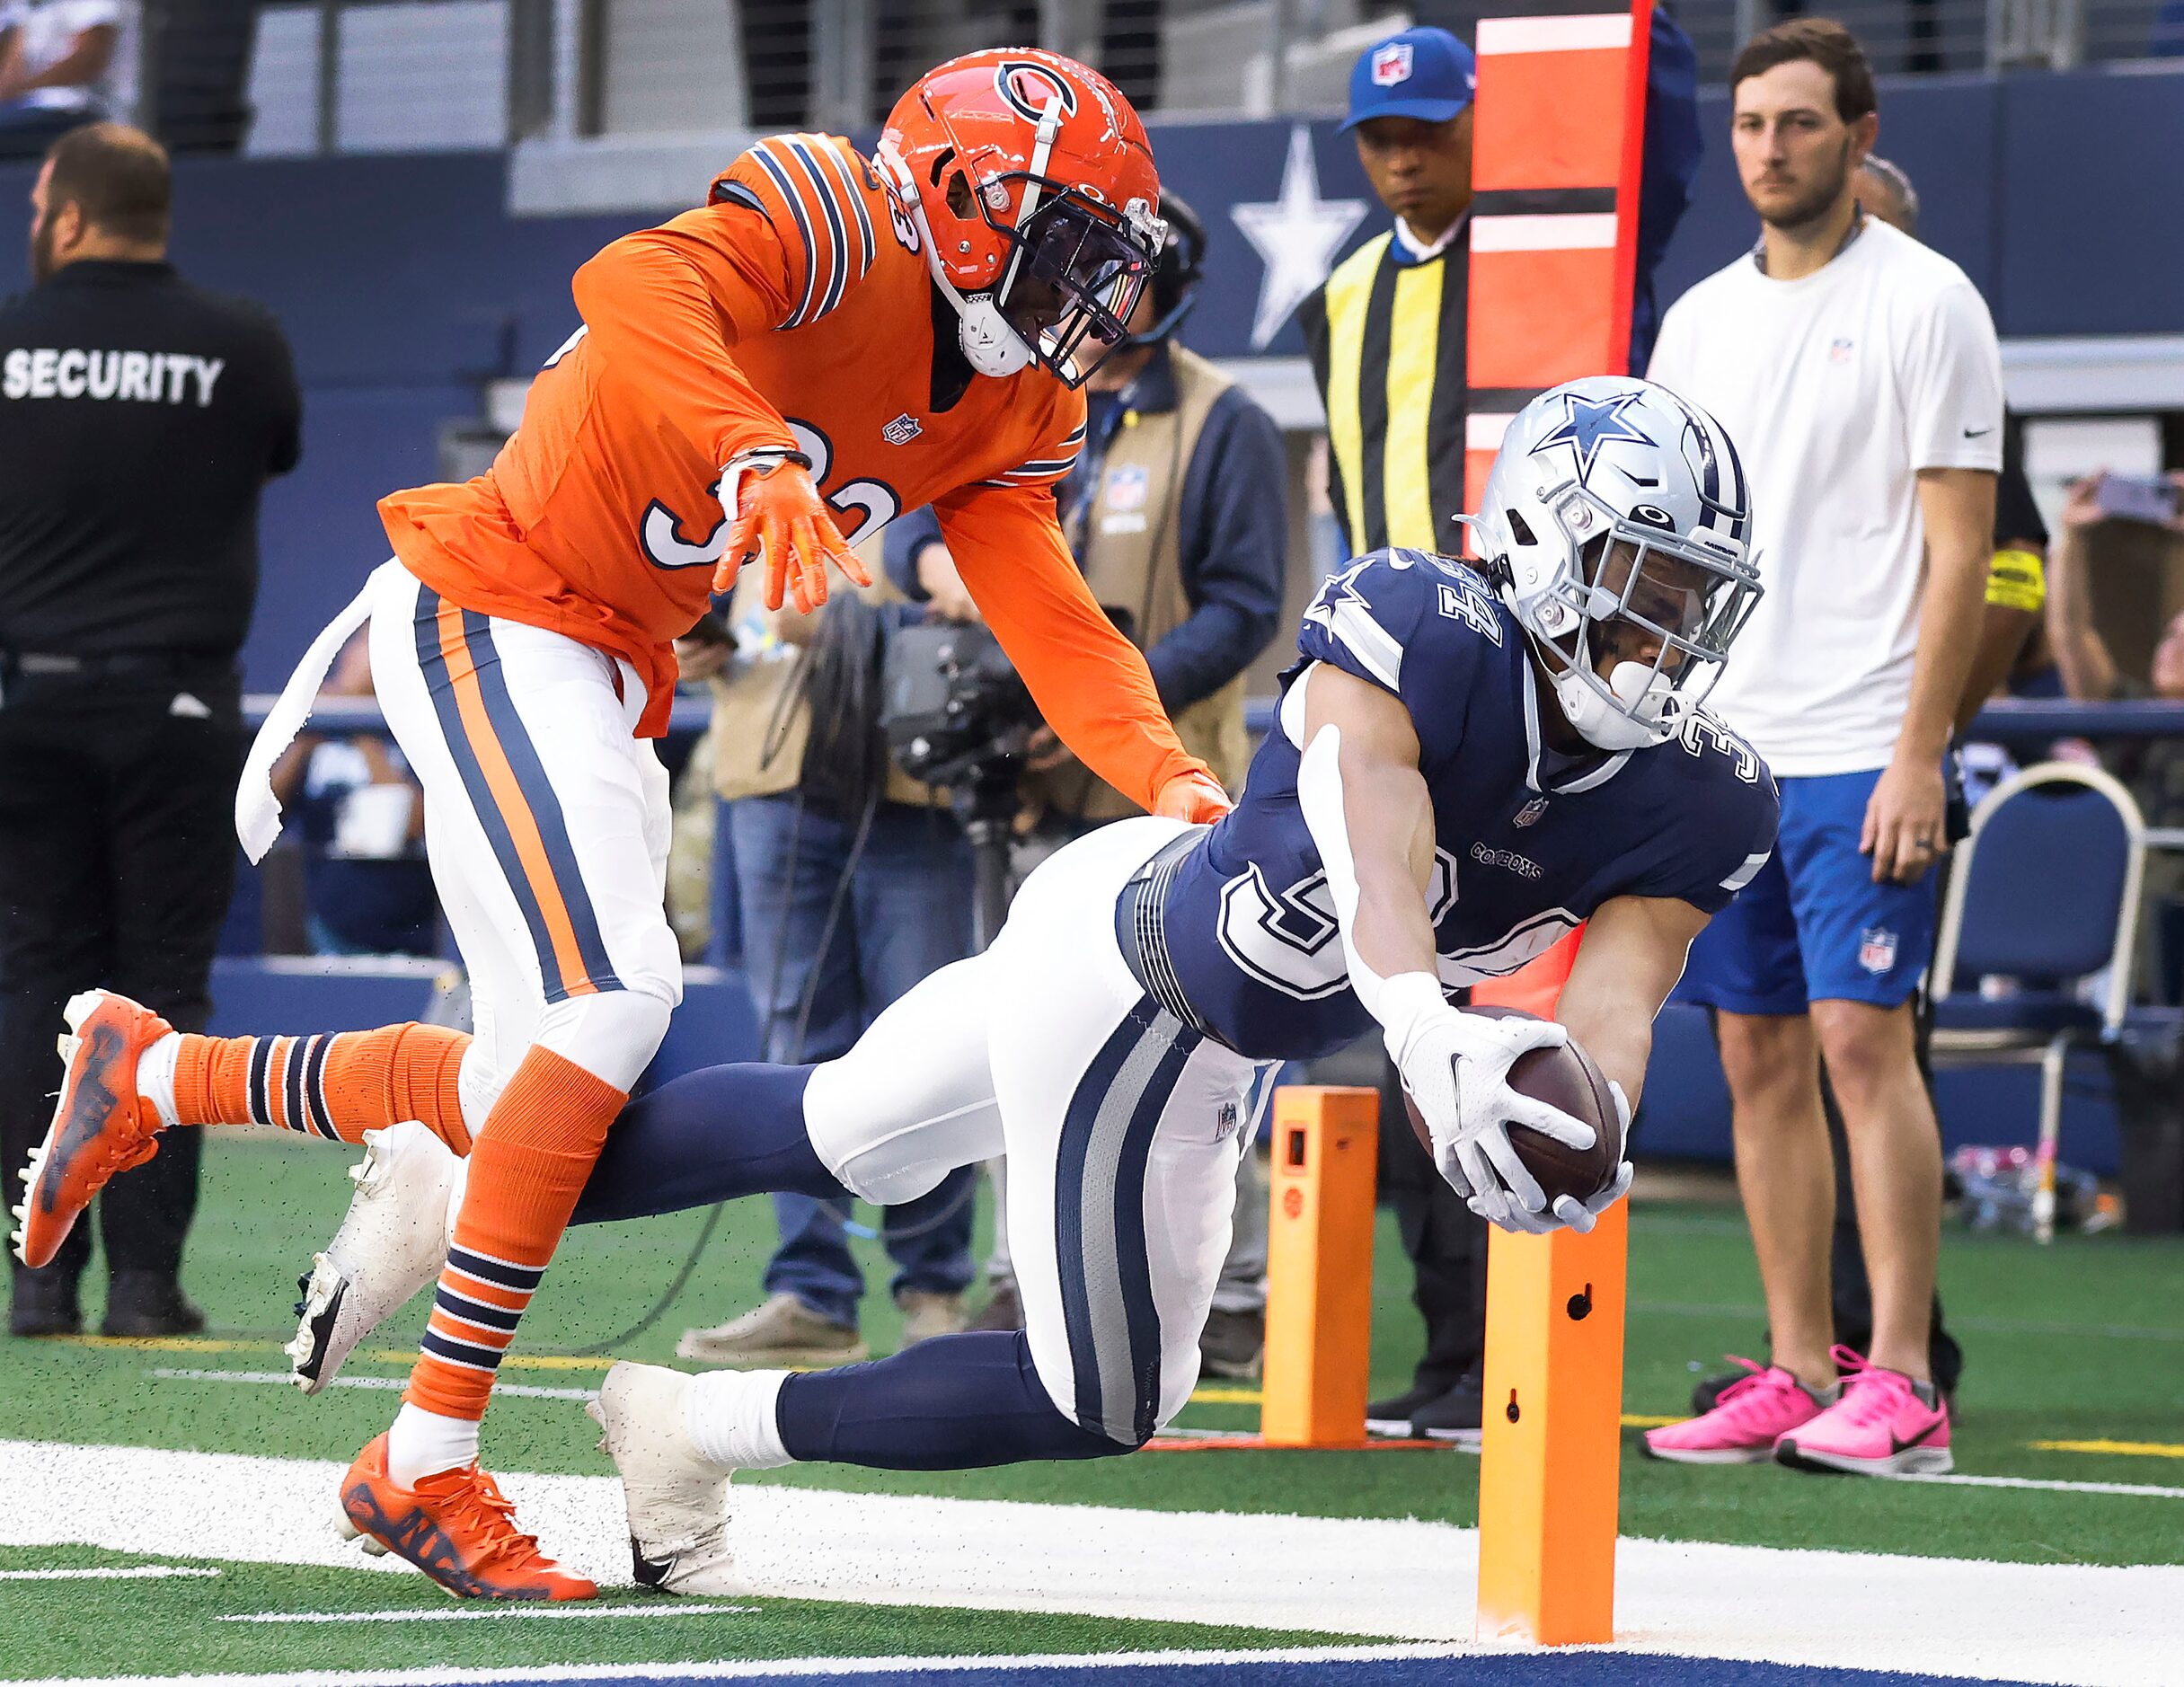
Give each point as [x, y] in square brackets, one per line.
[1290, 941]
[860, 508]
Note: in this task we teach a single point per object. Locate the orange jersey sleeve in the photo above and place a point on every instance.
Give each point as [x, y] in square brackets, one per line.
[785, 237]
[1089, 681]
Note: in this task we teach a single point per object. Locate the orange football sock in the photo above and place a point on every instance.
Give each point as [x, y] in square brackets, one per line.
[337, 1085]
[527, 1167]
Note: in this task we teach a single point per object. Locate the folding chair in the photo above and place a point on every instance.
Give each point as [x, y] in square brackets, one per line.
[2044, 892]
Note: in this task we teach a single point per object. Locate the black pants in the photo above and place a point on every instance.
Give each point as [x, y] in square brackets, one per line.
[1445, 1241]
[117, 861]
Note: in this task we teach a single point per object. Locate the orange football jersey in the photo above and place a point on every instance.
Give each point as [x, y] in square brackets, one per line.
[794, 309]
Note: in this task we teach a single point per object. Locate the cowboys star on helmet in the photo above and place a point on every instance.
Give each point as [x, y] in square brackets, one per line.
[1617, 525]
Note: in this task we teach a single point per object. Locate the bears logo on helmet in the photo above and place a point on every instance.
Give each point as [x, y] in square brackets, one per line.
[1028, 85]
[1031, 182]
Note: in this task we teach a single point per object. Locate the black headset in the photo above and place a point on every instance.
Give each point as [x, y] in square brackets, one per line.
[1180, 271]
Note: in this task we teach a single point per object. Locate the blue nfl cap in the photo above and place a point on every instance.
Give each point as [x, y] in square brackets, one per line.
[1423, 72]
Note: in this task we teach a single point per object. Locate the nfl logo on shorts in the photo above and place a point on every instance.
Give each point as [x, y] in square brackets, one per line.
[1877, 949]
[1391, 63]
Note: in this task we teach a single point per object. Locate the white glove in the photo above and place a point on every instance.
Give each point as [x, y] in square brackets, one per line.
[1456, 1067]
[1578, 1215]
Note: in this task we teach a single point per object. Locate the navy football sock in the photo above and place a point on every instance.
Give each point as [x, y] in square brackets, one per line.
[951, 1403]
[708, 1136]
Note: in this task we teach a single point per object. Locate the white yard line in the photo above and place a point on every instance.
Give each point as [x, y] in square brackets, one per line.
[2142, 1490]
[110, 1573]
[476, 1613]
[2074, 1625]
[523, 1391]
[776, 1669]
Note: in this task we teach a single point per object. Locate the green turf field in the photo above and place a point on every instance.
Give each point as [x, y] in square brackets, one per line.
[2084, 1341]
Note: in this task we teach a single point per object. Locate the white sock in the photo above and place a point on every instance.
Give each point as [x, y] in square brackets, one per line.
[424, 1444]
[729, 1415]
[155, 1076]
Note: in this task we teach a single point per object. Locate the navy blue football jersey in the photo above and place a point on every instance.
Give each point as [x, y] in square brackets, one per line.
[1529, 841]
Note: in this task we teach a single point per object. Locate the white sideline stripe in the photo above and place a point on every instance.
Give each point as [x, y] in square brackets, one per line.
[475, 1613]
[1572, 231]
[110, 1573]
[523, 1391]
[2140, 1490]
[775, 1669]
[1590, 34]
[2061, 1625]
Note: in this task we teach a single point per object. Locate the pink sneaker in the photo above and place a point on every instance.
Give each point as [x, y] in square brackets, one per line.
[1752, 1415]
[1885, 1425]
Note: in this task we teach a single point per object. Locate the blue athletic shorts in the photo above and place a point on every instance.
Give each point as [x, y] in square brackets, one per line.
[1813, 926]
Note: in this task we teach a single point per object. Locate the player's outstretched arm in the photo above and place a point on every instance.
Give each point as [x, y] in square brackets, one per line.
[1630, 960]
[1089, 681]
[666, 308]
[1371, 816]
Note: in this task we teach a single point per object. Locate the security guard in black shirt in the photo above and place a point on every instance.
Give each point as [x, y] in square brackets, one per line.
[140, 418]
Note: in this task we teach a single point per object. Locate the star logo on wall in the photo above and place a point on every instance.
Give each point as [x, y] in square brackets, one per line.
[1592, 423]
[1297, 236]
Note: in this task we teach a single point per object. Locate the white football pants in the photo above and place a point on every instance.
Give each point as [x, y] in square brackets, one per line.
[1121, 1127]
[547, 824]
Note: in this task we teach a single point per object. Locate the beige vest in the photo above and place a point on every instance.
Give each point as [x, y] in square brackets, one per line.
[1133, 562]
[761, 722]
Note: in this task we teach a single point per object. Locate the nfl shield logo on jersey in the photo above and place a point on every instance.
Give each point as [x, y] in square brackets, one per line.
[1877, 949]
[902, 431]
[1391, 63]
[1531, 811]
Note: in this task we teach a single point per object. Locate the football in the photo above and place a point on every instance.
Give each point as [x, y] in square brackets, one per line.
[1564, 1078]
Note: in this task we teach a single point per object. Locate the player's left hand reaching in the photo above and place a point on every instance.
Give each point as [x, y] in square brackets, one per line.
[776, 511]
[1196, 796]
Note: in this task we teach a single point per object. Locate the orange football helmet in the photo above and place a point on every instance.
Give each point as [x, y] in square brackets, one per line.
[1029, 182]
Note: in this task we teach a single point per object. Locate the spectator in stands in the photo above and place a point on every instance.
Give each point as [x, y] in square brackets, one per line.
[367, 888]
[1177, 511]
[1860, 375]
[854, 882]
[2155, 769]
[140, 420]
[55, 56]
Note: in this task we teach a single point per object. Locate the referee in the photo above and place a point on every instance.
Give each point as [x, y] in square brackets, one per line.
[1387, 335]
[140, 418]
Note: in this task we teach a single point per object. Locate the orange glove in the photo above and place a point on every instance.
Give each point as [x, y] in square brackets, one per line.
[780, 514]
[1195, 797]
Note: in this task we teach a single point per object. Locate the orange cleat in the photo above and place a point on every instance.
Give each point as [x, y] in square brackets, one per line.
[456, 1527]
[101, 1125]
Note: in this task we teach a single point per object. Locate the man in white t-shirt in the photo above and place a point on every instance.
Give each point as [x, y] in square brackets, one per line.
[56, 59]
[1858, 372]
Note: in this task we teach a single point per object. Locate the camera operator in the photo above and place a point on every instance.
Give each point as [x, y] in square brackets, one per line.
[855, 883]
[1177, 512]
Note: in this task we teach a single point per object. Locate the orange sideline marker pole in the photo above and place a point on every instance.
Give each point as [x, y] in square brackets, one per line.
[1552, 1447]
[1320, 1267]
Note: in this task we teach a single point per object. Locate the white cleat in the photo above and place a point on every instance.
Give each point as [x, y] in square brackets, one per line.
[392, 1243]
[677, 1498]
